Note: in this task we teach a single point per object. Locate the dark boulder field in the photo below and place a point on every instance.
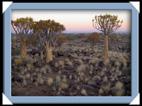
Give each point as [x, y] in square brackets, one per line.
[77, 69]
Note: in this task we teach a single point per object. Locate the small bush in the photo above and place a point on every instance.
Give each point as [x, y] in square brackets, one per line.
[61, 39]
[93, 38]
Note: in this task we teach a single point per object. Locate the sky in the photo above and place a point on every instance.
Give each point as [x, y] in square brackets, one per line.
[75, 21]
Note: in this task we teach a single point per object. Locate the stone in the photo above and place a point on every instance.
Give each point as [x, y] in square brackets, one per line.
[93, 61]
[97, 78]
[91, 68]
[78, 87]
[64, 78]
[37, 69]
[69, 63]
[105, 79]
[86, 79]
[70, 77]
[119, 73]
[101, 91]
[58, 79]
[36, 55]
[106, 87]
[118, 89]
[112, 79]
[39, 75]
[40, 81]
[56, 65]
[50, 81]
[18, 61]
[36, 83]
[120, 92]
[43, 70]
[30, 60]
[78, 61]
[24, 82]
[90, 72]
[78, 79]
[81, 74]
[63, 85]
[27, 76]
[59, 72]
[91, 82]
[48, 68]
[61, 63]
[102, 73]
[23, 72]
[81, 67]
[117, 63]
[119, 85]
[83, 92]
[74, 55]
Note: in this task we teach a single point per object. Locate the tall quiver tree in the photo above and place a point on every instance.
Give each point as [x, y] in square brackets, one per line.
[48, 30]
[22, 27]
[106, 24]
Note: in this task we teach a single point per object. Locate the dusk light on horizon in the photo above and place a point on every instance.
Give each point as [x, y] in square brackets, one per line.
[75, 21]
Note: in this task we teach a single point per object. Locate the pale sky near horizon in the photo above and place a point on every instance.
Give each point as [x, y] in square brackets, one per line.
[79, 21]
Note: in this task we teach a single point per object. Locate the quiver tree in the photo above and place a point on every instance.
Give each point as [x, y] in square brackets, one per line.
[22, 27]
[48, 30]
[106, 24]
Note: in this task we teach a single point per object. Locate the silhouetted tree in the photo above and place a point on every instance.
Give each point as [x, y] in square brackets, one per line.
[22, 27]
[107, 24]
[48, 31]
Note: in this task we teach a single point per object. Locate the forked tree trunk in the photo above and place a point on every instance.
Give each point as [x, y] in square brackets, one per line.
[49, 53]
[42, 55]
[106, 58]
[23, 50]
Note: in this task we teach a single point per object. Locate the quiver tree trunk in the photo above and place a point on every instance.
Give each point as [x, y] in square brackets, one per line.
[42, 55]
[23, 50]
[106, 58]
[48, 52]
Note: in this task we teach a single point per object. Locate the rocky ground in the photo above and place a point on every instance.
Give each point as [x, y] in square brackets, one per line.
[77, 69]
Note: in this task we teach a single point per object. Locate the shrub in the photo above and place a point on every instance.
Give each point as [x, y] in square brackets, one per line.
[93, 38]
[61, 39]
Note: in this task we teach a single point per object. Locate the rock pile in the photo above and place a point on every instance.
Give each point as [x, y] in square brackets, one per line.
[74, 71]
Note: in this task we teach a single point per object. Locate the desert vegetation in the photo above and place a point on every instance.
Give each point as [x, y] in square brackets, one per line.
[48, 62]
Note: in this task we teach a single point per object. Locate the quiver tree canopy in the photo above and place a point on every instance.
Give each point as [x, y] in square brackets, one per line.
[48, 29]
[106, 23]
[22, 25]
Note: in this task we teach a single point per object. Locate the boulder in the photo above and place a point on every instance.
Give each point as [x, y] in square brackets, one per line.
[81, 67]
[41, 81]
[83, 92]
[118, 89]
[64, 85]
[27, 76]
[49, 81]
